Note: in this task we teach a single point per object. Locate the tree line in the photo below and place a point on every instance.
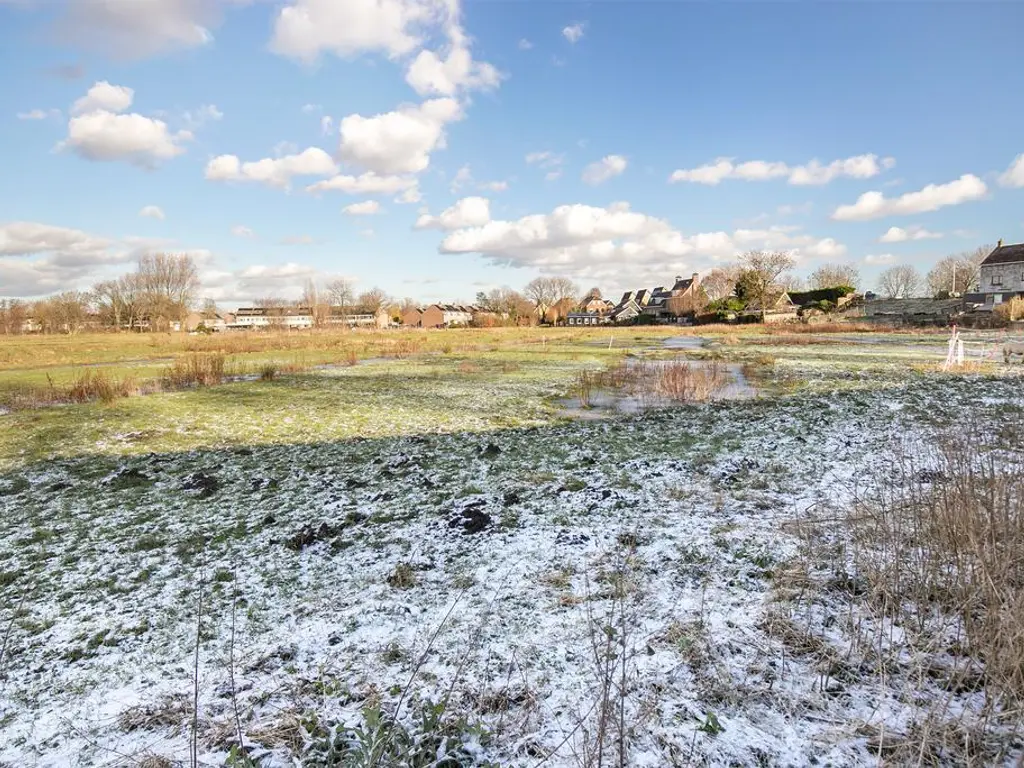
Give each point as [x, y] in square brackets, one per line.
[164, 289]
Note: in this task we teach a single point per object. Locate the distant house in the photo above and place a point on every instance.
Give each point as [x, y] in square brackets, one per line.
[337, 316]
[445, 316]
[1002, 274]
[587, 318]
[412, 317]
[255, 318]
[627, 309]
[660, 303]
[31, 325]
[596, 306]
[778, 310]
[196, 319]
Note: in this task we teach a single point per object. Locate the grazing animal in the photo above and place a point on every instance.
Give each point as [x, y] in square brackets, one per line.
[1012, 348]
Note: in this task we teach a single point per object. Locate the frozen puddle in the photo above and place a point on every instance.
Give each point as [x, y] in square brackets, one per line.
[684, 342]
[640, 390]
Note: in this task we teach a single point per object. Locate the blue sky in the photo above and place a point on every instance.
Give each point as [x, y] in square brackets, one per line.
[478, 144]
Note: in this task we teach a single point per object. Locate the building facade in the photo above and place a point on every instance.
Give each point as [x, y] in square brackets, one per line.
[1002, 274]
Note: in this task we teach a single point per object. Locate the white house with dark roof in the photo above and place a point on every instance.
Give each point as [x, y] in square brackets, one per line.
[1002, 274]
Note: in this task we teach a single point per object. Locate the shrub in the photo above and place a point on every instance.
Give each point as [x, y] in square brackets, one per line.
[1010, 311]
[831, 295]
[726, 304]
[403, 577]
[196, 370]
[933, 544]
[268, 372]
[96, 385]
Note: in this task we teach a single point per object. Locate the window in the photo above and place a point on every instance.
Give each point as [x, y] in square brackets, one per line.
[997, 279]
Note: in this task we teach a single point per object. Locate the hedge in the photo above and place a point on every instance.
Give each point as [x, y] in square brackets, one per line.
[832, 295]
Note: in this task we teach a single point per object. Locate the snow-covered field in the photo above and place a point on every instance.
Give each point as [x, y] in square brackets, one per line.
[554, 586]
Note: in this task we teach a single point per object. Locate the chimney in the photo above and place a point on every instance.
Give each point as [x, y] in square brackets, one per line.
[678, 278]
[1000, 244]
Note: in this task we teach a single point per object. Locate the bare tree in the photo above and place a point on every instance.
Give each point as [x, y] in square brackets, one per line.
[13, 314]
[593, 293]
[64, 313]
[565, 289]
[168, 284]
[341, 295]
[758, 282]
[373, 300]
[957, 274]
[791, 283]
[510, 305]
[720, 282]
[546, 292]
[315, 301]
[542, 293]
[209, 310]
[899, 282]
[834, 276]
[119, 302]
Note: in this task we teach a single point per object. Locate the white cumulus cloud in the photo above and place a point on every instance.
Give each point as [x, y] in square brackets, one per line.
[242, 231]
[874, 204]
[400, 141]
[1014, 175]
[812, 173]
[879, 258]
[900, 235]
[467, 212]
[38, 114]
[604, 169]
[107, 136]
[368, 183]
[434, 74]
[617, 243]
[274, 172]
[152, 212]
[573, 32]
[106, 97]
[142, 27]
[303, 29]
[365, 208]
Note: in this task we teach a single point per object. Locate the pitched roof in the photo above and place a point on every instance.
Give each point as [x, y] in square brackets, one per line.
[1005, 254]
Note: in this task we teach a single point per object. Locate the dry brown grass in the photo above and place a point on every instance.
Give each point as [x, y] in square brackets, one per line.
[848, 326]
[196, 370]
[933, 544]
[95, 385]
[1010, 311]
[88, 386]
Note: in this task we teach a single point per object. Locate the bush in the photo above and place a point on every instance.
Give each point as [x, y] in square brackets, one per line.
[196, 370]
[95, 385]
[824, 305]
[721, 316]
[1010, 311]
[833, 295]
[726, 304]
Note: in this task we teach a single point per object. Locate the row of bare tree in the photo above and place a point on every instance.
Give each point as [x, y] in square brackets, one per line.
[160, 291]
[164, 289]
